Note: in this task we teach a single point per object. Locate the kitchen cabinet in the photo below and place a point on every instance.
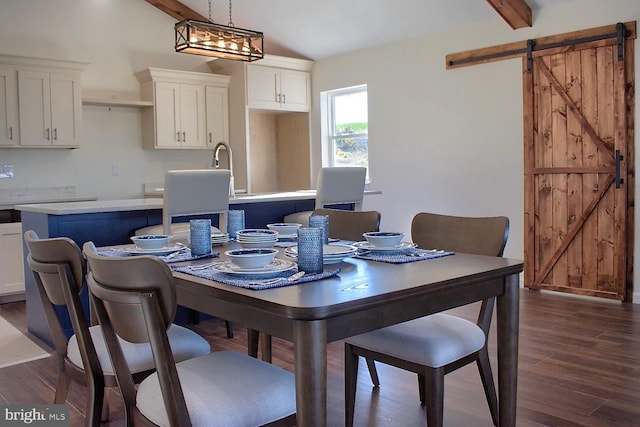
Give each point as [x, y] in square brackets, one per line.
[217, 111]
[11, 259]
[271, 144]
[189, 109]
[40, 102]
[50, 108]
[9, 126]
[278, 88]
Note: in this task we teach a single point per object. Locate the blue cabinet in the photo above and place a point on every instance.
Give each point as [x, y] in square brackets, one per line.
[115, 228]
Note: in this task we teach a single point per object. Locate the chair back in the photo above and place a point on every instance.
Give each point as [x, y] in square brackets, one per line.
[349, 225]
[134, 299]
[195, 192]
[58, 269]
[480, 236]
[139, 274]
[338, 185]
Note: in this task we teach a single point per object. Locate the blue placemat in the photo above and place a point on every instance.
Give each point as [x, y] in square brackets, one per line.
[256, 284]
[182, 255]
[402, 257]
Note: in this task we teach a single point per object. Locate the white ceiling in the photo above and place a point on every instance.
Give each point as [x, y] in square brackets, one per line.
[323, 28]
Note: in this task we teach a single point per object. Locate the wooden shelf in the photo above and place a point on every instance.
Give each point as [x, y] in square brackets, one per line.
[117, 103]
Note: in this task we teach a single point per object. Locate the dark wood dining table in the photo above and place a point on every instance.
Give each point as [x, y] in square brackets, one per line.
[364, 296]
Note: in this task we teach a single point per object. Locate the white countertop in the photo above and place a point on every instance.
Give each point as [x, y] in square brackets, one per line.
[11, 204]
[80, 207]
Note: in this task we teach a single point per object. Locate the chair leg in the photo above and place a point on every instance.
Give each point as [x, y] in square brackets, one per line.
[95, 400]
[62, 386]
[373, 372]
[350, 382]
[421, 390]
[105, 406]
[253, 339]
[486, 375]
[265, 348]
[434, 382]
[229, 329]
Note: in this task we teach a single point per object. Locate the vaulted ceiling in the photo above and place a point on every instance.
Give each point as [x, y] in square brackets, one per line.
[325, 28]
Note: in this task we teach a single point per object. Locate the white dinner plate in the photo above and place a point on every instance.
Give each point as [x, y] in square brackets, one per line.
[276, 266]
[331, 254]
[170, 248]
[368, 246]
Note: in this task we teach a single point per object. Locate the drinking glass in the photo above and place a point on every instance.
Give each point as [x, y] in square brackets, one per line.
[200, 236]
[310, 250]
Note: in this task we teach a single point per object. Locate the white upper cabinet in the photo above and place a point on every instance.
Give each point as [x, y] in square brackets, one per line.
[9, 126]
[278, 89]
[217, 101]
[181, 116]
[50, 108]
[40, 102]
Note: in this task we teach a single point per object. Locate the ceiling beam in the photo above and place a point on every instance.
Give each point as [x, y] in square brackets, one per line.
[176, 9]
[517, 13]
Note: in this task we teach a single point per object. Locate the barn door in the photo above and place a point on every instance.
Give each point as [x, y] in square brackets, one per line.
[576, 152]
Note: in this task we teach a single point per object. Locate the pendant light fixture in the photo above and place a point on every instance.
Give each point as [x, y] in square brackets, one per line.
[220, 41]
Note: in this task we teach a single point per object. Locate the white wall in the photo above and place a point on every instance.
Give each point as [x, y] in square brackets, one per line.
[450, 141]
[444, 141]
[118, 38]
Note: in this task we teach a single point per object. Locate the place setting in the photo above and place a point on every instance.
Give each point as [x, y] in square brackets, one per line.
[287, 233]
[259, 268]
[159, 245]
[386, 246]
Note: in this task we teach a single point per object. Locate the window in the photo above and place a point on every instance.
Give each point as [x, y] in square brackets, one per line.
[347, 133]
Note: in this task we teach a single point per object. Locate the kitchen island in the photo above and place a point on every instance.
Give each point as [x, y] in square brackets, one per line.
[113, 222]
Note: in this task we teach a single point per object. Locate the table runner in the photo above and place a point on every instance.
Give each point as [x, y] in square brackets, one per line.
[255, 283]
[402, 257]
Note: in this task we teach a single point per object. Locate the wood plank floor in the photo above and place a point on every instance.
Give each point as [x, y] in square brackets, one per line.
[579, 365]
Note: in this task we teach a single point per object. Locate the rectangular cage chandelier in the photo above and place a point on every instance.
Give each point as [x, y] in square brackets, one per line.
[220, 41]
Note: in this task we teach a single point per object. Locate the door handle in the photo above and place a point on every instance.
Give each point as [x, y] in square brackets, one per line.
[48, 134]
[11, 133]
[55, 134]
[619, 179]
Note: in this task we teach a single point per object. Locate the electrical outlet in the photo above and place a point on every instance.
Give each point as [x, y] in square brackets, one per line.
[6, 171]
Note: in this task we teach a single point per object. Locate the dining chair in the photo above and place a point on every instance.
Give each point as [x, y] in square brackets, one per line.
[135, 299]
[435, 345]
[59, 270]
[194, 192]
[349, 225]
[335, 185]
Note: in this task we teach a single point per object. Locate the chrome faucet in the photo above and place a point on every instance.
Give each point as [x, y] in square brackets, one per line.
[216, 162]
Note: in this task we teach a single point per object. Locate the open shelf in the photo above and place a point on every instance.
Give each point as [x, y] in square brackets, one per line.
[117, 103]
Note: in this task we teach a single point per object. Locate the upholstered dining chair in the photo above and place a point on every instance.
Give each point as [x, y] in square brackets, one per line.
[335, 185]
[435, 345]
[59, 270]
[134, 298]
[193, 192]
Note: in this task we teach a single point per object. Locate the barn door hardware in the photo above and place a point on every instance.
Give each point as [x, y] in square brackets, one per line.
[619, 179]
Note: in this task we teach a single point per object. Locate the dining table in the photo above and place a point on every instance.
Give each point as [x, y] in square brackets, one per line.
[365, 295]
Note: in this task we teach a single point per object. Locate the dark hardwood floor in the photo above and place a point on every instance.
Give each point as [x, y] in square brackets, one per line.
[579, 365]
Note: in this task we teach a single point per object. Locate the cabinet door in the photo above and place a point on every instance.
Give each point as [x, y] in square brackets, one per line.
[217, 107]
[66, 109]
[192, 116]
[167, 115]
[11, 270]
[34, 94]
[9, 129]
[263, 87]
[295, 90]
